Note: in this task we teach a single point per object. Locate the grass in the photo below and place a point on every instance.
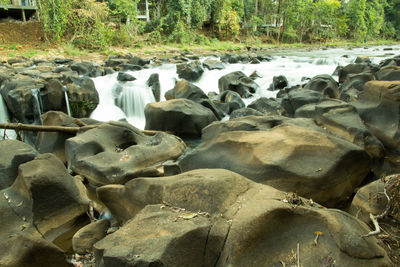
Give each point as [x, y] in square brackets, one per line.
[71, 50]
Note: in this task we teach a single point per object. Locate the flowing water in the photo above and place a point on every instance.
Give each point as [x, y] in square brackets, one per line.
[37, 107]
[127, 100]
[67, 100]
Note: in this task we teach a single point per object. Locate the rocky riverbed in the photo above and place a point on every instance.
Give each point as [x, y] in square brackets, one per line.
[226, 178]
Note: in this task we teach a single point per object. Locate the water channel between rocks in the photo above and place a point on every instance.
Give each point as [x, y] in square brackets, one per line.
[294, 65]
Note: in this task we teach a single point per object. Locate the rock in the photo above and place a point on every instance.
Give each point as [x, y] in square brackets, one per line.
[354, 69]
[353, 85]
[125, 77]
[298, 98]
[232, 99]
[342, 119]
[389, 73]
[324, 84]
[138, 61]
[187, 90]
[219, 218]
[54, 142]
[182, 117]
[116, 152]
[362, 59]
[289, 158]
[131, 67]
[62, 60]
[113, 61]
[17, 94]
[12, 154]
[369, 199]
[230, 58]
[83, 67]
[83, 97]
[243, 112]
[190, 71]
[237, 82]
[266, 105]
[255, 75]
[379, 108]
[214, 107]
[154, 83]
[278, 82]
[86, 237]
[52, 96]
[213, 64]
[44, 203]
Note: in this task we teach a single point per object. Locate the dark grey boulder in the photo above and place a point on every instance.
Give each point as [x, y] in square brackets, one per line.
[12, 154]
[154, 83]
[125, 77]
[116, 152]
[190, 71]
[213, 64]
[238, 82]
[324, 84]
[265, 105]
[181, 116]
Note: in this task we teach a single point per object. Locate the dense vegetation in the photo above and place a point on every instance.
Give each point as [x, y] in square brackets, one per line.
[91, 23]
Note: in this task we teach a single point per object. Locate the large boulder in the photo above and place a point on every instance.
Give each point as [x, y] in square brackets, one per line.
[265, 105]
[86, 237]
[312, 163]
[83, 97]
[324, 84]
[389, 73]
[154, 83]
[220, 218]
[213, 64]
[353, 85]
[379, 108]
[232, 100]
[278, 82]
[187, 90]
[238, 82]
[19, 97]
[116, 152]
[12, 154]
[54, 142]
[43, 204]
[299, 97]
[355, 69]
[83, 68]
[182, 117]
[190, 71]
[342, 119]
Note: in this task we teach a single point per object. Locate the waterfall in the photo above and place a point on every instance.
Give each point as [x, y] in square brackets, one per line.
[37, 107]
[133, 100]
[65, 89]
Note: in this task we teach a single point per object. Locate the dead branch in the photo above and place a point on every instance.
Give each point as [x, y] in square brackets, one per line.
[47, 128]
[374, 218]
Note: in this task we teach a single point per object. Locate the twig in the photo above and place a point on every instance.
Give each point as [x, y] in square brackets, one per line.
[298, 255]
[374, 219]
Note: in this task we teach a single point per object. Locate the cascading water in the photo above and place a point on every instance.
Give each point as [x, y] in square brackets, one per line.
[133, 99]
[37, 106]
[65, 89]
[294, 65]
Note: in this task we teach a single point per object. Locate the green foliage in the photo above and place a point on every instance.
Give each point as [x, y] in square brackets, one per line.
[123, 9]
[5, 2]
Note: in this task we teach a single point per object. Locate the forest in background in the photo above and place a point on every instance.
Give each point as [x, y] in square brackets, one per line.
[95, 24]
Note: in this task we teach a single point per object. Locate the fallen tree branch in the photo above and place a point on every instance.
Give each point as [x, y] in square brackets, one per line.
[374, 219]
[62, 129]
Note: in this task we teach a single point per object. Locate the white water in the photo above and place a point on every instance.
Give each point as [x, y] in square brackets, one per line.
[36, 105]
[294, 65]
[67, 101]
